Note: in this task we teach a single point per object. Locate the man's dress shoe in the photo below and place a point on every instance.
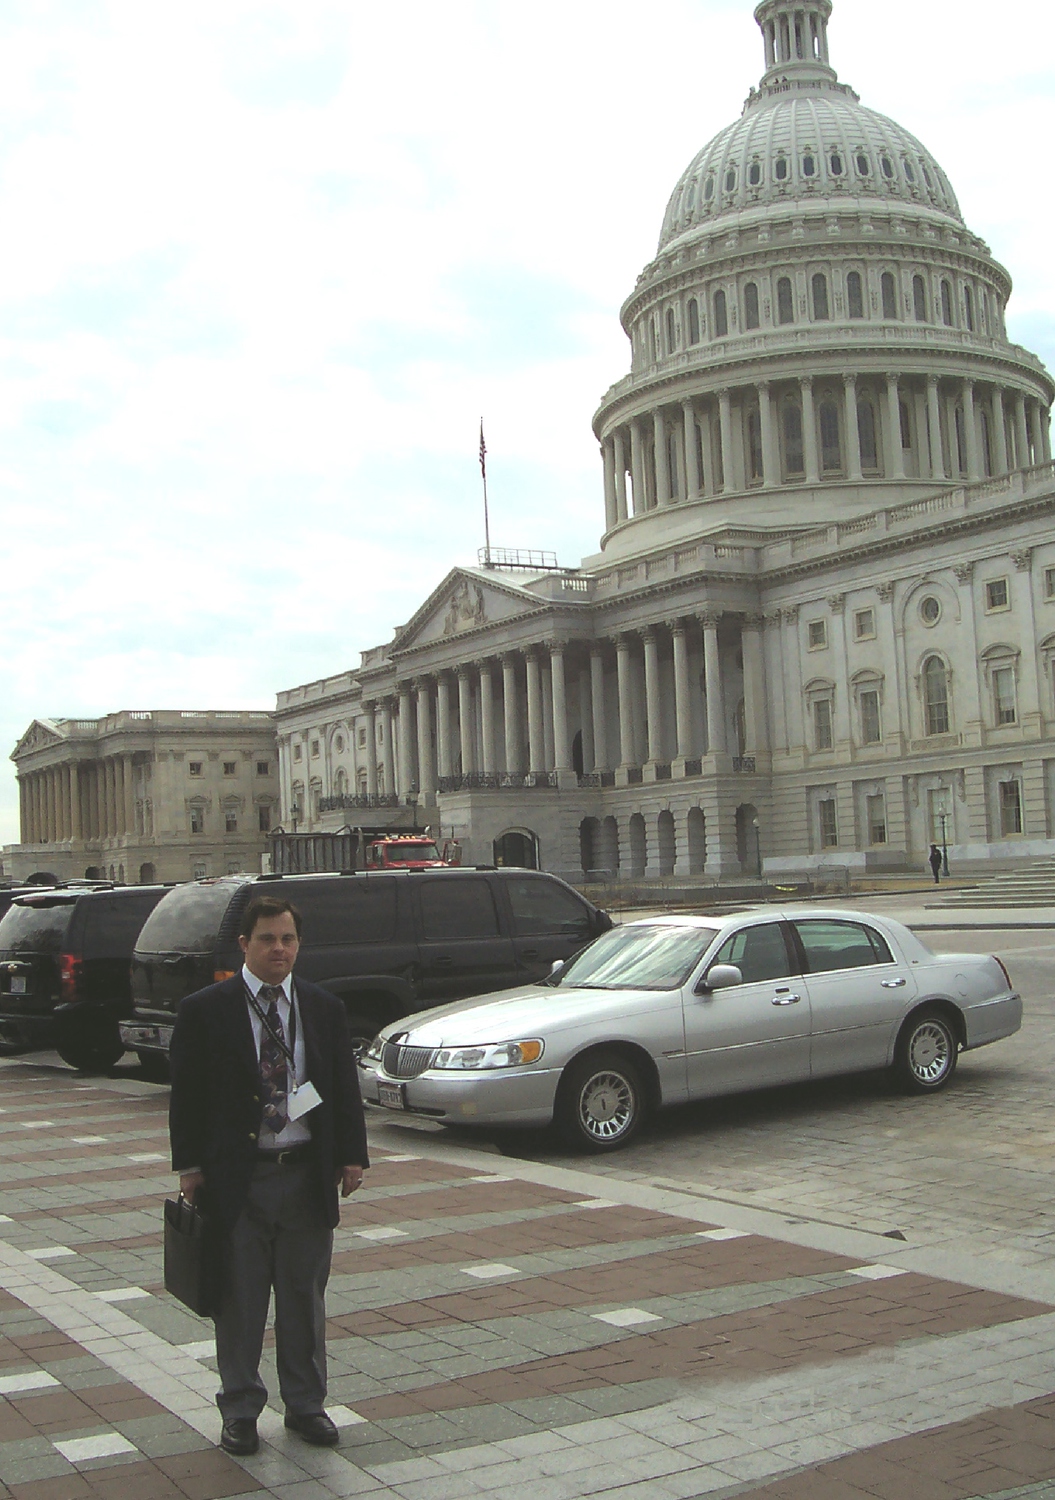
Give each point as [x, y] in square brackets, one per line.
[239, 1435]
[315, 1427]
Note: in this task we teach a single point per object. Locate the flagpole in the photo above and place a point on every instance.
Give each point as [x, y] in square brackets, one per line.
[487, 518]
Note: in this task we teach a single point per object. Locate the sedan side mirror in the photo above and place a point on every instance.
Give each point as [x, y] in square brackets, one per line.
[719, 977]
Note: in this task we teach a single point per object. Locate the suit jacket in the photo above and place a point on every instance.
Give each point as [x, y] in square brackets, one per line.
[216, 1108]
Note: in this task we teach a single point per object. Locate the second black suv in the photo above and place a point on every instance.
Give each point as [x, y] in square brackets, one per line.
[64, 969]
[386, 944]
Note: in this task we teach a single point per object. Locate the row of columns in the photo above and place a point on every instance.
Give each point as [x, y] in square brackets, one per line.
[710, 465]
[88, 800]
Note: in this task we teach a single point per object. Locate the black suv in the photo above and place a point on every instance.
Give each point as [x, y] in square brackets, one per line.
[64, 970]
[386, 944]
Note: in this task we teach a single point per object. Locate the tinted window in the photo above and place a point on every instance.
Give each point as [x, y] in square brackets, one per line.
[760, 953]
[187, 919]
[107, 926]
[35, 929]
[455, 908]
[539, 906]
[841, 945]
[347, 911]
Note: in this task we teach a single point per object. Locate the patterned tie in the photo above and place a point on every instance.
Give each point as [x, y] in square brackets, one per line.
[273, 1072]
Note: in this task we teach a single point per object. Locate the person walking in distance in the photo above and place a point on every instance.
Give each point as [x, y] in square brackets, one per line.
[266, 1123]
[934, 860]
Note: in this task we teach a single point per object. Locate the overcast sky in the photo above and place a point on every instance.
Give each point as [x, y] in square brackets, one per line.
[264, 265]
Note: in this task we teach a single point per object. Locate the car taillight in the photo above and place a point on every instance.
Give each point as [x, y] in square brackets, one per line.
[219, 975]
[1003, 969]
[69, 972]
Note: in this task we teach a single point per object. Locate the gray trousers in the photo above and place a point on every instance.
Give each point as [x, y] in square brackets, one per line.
[280, 1240]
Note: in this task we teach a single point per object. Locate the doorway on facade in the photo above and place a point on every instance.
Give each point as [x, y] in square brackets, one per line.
[42, 877]
[94, 872]
[590, 847]
[638, 846]
[696, 837]
[146, 874]
[747, 836]
[578, 764]
[517, 848]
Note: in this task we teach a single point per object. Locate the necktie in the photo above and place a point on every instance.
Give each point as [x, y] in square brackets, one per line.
[273, 1071]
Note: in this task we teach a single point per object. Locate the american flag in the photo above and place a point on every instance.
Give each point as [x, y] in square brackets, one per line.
[483, 450]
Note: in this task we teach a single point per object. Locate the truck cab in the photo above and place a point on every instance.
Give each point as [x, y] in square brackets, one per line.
[408, 852]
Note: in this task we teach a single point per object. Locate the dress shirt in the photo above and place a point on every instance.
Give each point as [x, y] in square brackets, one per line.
[294, 1132]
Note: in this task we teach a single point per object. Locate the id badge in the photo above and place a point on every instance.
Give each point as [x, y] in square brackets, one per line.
[301, 1100]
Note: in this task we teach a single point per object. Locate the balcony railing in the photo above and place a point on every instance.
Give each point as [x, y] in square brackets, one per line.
[363, 799]
[496, 781]
[597, 779]
[744, 763]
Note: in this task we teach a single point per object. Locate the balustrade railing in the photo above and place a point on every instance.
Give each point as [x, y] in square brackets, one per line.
[496, 781]
[744, 763]
[344, 800]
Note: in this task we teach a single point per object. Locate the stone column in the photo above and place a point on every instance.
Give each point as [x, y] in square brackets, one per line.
[406, 742]
[536, 729]
[690, 453]
[637, 467]
[755, 729]
[1044, 413]
[770, 456]
[610, 502]
[444, 757]
[894, 454]
[488, 757]
[853, 434]
[619, 447]
[23, 811]
[76, 825]
[810, 455]
[561, 745]
[999, 431]
[937, 459]
[682, 703]
[388, 759]
[1038, 425]
[624, 666]
[40, 815]
[600, 726]
[130, 796]
[370, 715]
[661, 453]
[511, 717]
[725, 425]
[970, 430]
[1022, 455]
[465, 721]
[111, 797]
[713, 680]
[653, 705]
[97, 799]
[426, 784]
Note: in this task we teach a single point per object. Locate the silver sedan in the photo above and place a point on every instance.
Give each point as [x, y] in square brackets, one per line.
[675, 1008]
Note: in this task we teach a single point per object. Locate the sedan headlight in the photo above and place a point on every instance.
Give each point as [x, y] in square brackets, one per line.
[372, 1054]
[491, 1055]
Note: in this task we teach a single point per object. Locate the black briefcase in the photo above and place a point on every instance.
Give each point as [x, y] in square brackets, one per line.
[189, 1273]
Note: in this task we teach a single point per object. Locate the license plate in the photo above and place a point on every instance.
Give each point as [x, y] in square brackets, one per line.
[18, 984]
[391, 1095]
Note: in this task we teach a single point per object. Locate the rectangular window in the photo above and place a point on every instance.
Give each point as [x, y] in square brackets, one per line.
[194, 768]
[1004, 695]
[871, 728]
[200, 870]
[865, 625]
[263, 819]
[230, 768]
[822, 723]
[314, 749]
[197, 820]
[875, 811]
[230, 822]
[817, 635]
[263, 768]
[1010, 807]
[297, 751]
[996, 594]
[829, 826]
[1049, 583]
[362, 738]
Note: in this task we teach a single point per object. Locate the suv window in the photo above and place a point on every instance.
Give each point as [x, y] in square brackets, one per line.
[760, 953]
[107, 926]
[187, 919]
[36, 928]
[457, 908]
[347, 910]
[840, 945]
[541, 906]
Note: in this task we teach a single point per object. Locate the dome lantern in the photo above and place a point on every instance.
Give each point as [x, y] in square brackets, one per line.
[795, 33]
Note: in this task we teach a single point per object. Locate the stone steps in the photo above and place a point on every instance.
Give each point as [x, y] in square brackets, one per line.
[1033, 885]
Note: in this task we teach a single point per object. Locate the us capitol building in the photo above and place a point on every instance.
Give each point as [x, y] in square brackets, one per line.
[821, 625]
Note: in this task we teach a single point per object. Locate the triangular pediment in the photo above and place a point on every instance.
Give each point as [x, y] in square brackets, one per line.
[466, 600]
[40, 734]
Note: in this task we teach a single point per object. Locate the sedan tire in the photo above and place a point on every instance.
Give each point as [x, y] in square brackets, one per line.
[926, 1054]
[601, 1102]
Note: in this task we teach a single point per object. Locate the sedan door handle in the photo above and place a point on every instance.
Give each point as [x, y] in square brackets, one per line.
[783, 999]
[529, 953]
[443, 963]
[892, 984]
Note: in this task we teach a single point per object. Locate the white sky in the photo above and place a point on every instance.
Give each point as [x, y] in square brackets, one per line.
[264, 265]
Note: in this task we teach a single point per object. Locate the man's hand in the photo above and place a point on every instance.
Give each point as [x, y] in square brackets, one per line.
[348, 1179]
[189, 1184]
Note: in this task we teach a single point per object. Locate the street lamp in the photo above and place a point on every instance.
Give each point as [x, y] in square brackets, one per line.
[758, 848]
[944, 845]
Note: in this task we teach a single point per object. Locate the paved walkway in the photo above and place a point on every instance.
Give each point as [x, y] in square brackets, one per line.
[536, 1331]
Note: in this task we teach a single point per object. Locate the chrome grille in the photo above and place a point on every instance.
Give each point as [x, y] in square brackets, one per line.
[405, 1062]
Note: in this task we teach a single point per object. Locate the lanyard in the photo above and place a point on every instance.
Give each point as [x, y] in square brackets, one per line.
[261, 1016]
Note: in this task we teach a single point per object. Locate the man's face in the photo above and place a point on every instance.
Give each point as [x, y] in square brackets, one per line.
[271, 949]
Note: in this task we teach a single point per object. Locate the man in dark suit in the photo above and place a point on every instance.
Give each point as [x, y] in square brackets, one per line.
[266, 1122]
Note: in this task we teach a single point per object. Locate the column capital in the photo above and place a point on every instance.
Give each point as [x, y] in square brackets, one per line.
[836, 603]
[893, 376]
[850, 382]
[964, 572]
[677, 626]
[597, 648]
[709, 618]
[649, 632]
[886, 590]
[422, 684]
[806, 382]
[1022, 559]
[752, 620]
[789, 613]
[510, 658]
[762, 387]
[464, 670]
[967, 385]
[932, 382]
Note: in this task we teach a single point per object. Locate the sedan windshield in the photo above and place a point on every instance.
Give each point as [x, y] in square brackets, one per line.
[639, 958]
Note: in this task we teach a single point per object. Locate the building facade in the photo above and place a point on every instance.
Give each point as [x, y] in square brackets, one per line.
[142, 797]
[821, 625]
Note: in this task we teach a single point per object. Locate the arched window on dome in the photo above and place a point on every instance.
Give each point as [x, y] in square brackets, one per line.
[672, 331]
[866, 432]
[968, 307]
[888, 167]
[831, 454]
[987, 327]
[926, 176]
[754, 446]
[835, 162]
[694, 321]
[780, 169]
[821, 313]
[946, 304]
[794, 465]
[708, 189]
[721, 315]
[889, 291]
[855, 301]
[863, 165]
[751, 305]
[785, 304]
[730, 179]
[910, 171]
[935, 696]
[754, 174]
[809, 165]
[919, 299]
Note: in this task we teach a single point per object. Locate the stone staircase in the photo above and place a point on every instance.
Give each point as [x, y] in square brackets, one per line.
[1032, 884]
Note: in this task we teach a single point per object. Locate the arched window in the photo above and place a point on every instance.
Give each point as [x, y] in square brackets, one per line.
[694, 321]
[785, 306]
[926, 175]
[909, 170]
[855, 295]
[730, 179]
[866, 429]
[751, 305]
[809, 165]
[754, 173]
[835, 161]
[968, 307]
[820, 298]
[935, 696]
[831, 457]
[780, 169]
[946, 304]
[652, 339]
[888, 167]
[721, 316]
[793, 455]
[754, 443]
[863, 165]
[919, 299]
[341, 782]
[671, 331]
[708, 190]
[889, 290]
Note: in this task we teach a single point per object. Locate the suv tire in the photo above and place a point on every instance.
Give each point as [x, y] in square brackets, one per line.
[91, 1048]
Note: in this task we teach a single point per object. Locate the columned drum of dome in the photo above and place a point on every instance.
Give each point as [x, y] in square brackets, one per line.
[818, 323]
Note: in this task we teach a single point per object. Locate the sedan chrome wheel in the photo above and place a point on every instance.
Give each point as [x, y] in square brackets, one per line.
[927, 1050]
[601, 1103]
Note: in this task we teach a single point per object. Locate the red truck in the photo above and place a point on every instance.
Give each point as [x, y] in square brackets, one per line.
[410, 852]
